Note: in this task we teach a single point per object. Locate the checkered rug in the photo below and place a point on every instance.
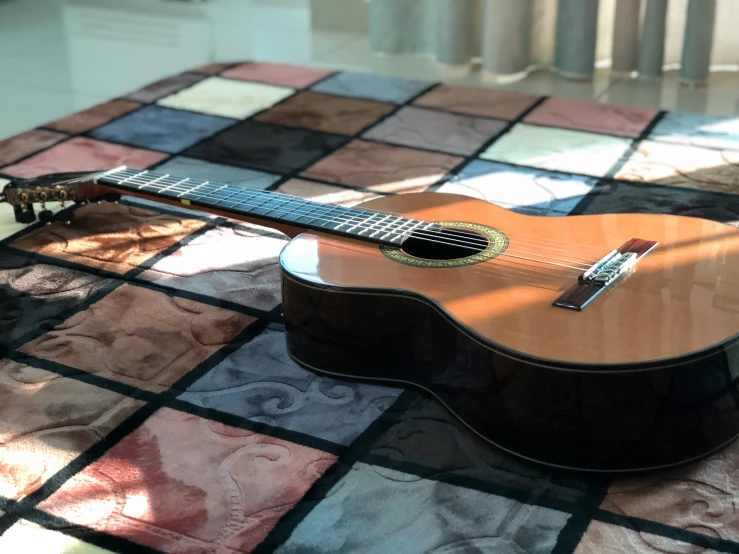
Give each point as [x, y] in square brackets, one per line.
[147, 402]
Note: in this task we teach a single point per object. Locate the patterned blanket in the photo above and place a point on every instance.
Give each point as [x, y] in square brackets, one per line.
[147, 402]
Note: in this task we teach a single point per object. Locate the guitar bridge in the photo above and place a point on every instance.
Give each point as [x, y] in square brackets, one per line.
[603, 273]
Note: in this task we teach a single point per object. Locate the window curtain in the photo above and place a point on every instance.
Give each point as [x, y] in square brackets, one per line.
[509, 38]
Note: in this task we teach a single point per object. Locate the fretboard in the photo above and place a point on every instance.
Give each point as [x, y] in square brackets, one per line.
[373, 226]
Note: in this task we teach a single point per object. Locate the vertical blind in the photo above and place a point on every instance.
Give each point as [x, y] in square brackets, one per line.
[511, 37]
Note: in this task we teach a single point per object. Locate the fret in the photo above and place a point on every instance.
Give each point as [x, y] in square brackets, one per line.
[165, 190]
[414, 227]
[299, 204]
[262, 208]
[333, 221]
[158, 179]
[135, 175]
[351, 223]
[237, 196]
[370, 226]
[291, 209]
[397, 231]
[307, 218]
[379, 227]
[228, 201]
[189, 194]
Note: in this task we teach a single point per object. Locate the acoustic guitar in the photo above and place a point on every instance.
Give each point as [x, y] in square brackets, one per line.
[601, 342]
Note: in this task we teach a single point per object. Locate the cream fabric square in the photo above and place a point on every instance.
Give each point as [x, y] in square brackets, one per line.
[8, 226]
[226, 97]
[558, 149]
[25, 536]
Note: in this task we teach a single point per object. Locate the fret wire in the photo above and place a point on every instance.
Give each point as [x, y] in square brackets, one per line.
[389, 230]
[298, 205]
[258, 205]
[399, 230]
[235, 197]
[368, 223]
[284, 204]
[377, 223]
[252, 194]
[134, 176]
[164, 190]
[194, 189]
[157, 179]
[313, 208]
[355, 225]
[247, 194]
[343, 210]
[273, 198]
[353, 215]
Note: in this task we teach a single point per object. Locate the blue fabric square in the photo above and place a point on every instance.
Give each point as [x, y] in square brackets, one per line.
[698, 130]
[162, 129]
[182, 166]
[521, 189]
[261, 383]
[373, 87]
[374, 509]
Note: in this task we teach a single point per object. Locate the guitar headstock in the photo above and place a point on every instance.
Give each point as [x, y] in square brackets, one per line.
[77, 187]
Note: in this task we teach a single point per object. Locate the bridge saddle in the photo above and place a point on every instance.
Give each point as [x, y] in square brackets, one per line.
[603, 273]
[610, 268]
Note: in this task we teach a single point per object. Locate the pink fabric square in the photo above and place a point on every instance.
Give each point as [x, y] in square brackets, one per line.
[586, 115]
[181, 483]
[83, 154]
[293, 76]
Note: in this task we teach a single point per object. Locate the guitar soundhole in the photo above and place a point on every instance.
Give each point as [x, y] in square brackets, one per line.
[446, 244]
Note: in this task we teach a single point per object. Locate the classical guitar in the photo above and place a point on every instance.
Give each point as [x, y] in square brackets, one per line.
[603, 342]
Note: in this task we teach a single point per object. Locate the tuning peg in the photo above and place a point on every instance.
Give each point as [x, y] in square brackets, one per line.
[46, 216]
[24, 213]
[66, 217]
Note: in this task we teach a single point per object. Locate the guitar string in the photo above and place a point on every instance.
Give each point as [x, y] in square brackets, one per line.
[425, 235]
[468, 242]
[163, 178]
[136, 174]
[525, 272]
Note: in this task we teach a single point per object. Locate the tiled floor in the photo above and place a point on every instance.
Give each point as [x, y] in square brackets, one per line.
[61, 56]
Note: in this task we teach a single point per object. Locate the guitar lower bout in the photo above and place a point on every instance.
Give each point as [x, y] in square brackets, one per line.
[587, 390]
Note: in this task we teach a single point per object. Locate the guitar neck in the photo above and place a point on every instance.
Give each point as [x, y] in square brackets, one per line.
[267, 207]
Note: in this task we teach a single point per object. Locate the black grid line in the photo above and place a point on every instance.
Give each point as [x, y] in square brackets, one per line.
[571, 534]
[128, 426]
[484, 146]
[667, 531]
[23, 158]
[141, 283]
[86, 534]
[286, 525]
[634, 145]
[349, 139]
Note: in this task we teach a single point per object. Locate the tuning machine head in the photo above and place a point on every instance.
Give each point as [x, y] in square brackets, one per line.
[22, 194]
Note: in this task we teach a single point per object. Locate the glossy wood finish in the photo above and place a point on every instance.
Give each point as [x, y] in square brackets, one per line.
[644, 377]
[607, 421]
[583, 292]
[681, 302]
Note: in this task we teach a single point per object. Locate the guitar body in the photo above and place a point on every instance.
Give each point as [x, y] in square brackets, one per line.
[642, 377]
